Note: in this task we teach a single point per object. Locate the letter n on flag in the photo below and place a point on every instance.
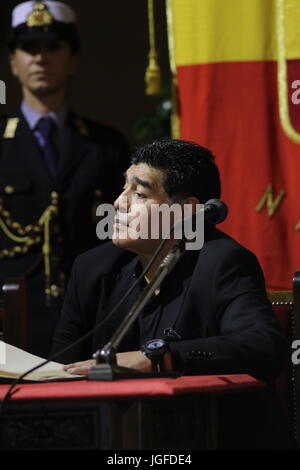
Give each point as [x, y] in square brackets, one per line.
[234, 64]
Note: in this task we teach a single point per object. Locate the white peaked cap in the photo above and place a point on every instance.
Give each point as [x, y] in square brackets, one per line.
[59, 11]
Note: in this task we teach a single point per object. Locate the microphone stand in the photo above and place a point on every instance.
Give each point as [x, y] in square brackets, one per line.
[106, 367]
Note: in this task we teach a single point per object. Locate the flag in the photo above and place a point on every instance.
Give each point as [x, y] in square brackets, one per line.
[236, 64]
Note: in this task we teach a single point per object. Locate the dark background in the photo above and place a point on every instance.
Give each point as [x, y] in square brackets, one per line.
[109, 85]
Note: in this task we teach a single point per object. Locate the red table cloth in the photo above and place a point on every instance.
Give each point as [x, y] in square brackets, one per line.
[132, 388]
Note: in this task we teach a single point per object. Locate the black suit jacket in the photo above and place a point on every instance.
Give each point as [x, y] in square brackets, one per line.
[214, 299]
[93, 159]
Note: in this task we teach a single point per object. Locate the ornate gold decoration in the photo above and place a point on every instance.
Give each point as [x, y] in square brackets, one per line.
[153, 73]
[282, 76]
[45, 223]
[40, 15]
[272, 205]
[29, 236]
[11, 127]
[9, 234]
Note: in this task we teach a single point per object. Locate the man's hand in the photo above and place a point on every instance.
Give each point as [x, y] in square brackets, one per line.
[132, 359]
[80, 368]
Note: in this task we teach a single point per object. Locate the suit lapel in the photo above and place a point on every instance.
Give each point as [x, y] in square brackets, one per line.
[113, 287]
[176, 291]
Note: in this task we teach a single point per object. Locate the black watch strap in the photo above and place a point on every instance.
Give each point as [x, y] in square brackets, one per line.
[155, 349]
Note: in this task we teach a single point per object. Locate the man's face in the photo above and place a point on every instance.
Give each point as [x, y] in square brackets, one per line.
[143, 189]
[43, 67]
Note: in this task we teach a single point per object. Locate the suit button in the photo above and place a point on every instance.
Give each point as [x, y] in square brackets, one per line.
[54, 197]
[9, 189]
[55, 290]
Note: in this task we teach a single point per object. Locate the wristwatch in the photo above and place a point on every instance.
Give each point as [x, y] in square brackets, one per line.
[155, 349]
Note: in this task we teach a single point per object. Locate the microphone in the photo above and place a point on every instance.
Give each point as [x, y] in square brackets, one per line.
[215, 211]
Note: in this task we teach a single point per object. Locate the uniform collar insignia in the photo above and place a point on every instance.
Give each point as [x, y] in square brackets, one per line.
[11, 127]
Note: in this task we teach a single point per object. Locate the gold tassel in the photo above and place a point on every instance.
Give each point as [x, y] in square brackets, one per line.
[45, 221]
[153, 73]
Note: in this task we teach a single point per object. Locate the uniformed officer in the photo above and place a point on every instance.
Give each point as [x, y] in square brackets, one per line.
[55, 167]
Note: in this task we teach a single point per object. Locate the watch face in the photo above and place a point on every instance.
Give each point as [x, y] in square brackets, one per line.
[155, 344]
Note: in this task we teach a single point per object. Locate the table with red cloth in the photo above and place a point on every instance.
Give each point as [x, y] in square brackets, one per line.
[152, 413]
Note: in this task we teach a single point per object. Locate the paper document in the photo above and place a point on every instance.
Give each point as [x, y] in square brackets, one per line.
[14, 362]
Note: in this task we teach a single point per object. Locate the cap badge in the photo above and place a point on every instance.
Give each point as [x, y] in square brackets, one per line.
[40, 16]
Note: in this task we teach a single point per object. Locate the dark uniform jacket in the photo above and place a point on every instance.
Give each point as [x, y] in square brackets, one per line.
[91, 168]
[215, 300]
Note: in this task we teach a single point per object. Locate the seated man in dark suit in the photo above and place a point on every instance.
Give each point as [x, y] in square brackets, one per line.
[214, 300]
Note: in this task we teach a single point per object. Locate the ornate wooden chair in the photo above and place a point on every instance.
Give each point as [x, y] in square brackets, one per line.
[286, 306]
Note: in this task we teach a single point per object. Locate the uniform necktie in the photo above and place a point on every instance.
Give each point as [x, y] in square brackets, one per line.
[46, 126]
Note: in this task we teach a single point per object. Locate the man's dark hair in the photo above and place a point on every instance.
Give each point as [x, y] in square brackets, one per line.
[189, 169]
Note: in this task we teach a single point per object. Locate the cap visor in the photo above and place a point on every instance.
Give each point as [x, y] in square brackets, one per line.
[36, 36]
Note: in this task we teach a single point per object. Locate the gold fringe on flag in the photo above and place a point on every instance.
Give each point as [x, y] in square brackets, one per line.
[283, 92]
[153, 73]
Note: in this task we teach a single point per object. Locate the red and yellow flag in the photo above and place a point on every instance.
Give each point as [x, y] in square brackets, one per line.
[234, 64]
